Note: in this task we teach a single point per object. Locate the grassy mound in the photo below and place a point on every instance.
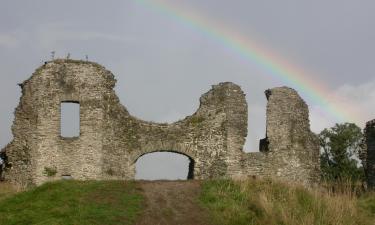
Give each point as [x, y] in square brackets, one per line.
[268, 202]
[74, 202]
[228, 203]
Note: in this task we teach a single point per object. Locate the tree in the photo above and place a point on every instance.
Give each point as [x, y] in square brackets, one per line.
[340, 147]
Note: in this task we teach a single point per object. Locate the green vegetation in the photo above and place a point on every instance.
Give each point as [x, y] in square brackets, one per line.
[269, 202]
[367, 203]
[74, 202]
[340, 147]
[49, 172]
[196, 120]
[256, 201]
[6, 190]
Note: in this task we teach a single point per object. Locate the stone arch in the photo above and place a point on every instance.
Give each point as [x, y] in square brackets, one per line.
[167, 146]
[191, 168]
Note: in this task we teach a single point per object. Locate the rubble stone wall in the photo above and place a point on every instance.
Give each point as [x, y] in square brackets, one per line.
[111, 140]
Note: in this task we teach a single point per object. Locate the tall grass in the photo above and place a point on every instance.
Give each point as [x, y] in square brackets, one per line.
[7, 190]
[272, 202]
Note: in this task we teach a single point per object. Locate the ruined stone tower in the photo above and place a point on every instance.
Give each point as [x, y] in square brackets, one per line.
[368, 156]
[111, 140]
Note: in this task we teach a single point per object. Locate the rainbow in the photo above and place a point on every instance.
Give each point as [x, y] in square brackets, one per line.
[330, 106]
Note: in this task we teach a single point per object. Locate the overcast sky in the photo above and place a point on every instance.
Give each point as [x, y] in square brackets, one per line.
[163, 66]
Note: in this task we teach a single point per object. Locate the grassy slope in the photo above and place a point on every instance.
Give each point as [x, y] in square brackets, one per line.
[268, 202]
[229, 203]
[74, 202]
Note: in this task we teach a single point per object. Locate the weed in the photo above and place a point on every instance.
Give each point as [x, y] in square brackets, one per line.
[49, 171]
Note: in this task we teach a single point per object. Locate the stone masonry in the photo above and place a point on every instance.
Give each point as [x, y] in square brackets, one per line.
[111, 140]
[368, 155]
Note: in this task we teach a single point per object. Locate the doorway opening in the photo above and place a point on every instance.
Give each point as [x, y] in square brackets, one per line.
[164, 165]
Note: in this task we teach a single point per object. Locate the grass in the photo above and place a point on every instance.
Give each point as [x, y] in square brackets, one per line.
[6, 190]
[257, 202]
[270, 202]
[74, 202]
[367, 203]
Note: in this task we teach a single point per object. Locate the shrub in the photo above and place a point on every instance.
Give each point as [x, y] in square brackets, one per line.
[50, 172]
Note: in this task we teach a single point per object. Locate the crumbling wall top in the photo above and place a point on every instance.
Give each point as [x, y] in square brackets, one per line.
[111, 140]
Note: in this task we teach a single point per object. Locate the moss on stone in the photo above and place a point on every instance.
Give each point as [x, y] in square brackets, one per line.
[196, 120]
[50, 171]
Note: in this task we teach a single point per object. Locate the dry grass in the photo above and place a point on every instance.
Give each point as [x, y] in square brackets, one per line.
[7, 190]
[271, 202]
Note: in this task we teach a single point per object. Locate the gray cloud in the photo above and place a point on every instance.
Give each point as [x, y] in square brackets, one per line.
[8, 41]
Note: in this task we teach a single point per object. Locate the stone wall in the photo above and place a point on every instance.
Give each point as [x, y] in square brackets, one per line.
[290, 150]
[368, 155]
[111, 140]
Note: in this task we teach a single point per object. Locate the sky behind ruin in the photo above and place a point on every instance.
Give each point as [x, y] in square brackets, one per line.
[163, 66]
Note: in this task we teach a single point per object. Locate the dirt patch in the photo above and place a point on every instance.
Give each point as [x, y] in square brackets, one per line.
[172, 203]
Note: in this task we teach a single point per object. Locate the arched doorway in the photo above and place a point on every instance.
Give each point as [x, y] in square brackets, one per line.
[164, 165]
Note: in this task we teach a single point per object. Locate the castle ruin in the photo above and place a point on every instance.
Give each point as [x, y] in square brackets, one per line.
[111, 140]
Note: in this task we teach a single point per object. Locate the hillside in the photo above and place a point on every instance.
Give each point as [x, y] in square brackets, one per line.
[221, 202]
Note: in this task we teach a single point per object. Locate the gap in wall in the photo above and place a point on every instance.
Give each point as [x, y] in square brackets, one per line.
[162, 166]
[70, 119]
